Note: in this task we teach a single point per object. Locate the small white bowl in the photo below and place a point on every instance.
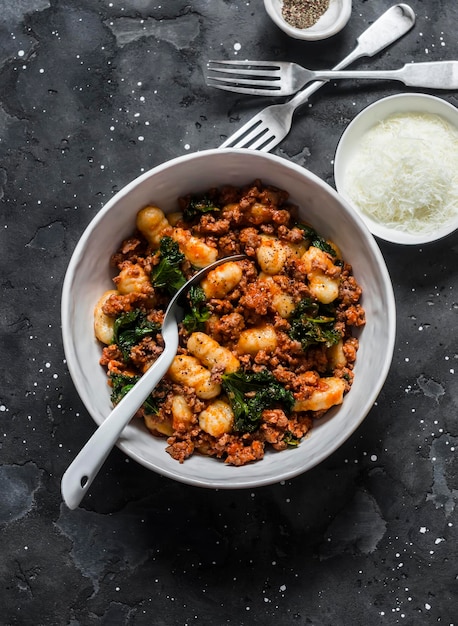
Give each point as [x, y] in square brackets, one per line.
[329, 24]
[89, 275]
[351, 140]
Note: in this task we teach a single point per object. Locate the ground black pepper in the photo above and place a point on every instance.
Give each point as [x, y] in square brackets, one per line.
[303, 13]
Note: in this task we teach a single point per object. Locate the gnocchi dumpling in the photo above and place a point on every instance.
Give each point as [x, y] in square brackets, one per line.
[104, 324]
[157, 426]
[328, 393]
[271, 255]
[189, 371]
[222, 280]
[210, 353]
[153, 224]
[322, 274]
[336, 355]
[283, 303]
[198, 253]
[182, 415]
[217, 419]
[133, 279]
[252, 340]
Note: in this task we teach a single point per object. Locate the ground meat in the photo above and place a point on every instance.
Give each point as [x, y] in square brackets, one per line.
[350, 348]
[256, 298]
[179, 449]
[117, 303]
[349, 291]
[355, 315]
[274, 423]
[131, 249]
[293, 235]
[209, 225]
[227, 327]
[239, 453]
[145, 353]
[250, 239]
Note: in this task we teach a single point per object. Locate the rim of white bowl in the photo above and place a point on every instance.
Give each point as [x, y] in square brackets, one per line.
[235, 482]
[368, 118]
[317, 32]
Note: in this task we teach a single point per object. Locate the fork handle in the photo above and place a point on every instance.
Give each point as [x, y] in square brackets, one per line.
[435, 75]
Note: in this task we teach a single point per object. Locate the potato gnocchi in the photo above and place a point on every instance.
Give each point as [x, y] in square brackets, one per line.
[267, 343]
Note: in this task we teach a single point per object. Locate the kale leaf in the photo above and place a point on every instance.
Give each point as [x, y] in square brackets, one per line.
[198, 205]
[316, 240]
[121, 384]
[130, 328]
[250, 393]
[313, 323]
[199, 313]
[291, 440]
[168, 273]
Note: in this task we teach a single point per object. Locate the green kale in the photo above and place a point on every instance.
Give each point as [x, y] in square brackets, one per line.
[198, 205]
[313, 323]
[316, 240]
[199, 313]
[130, 328]
[168, 273]
[291, 440]
[250, 393]
[121, 384]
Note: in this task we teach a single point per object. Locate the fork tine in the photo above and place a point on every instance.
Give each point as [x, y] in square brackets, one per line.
[242, 81]
[245, 135]
[274, 74]
[266, 144]
[247, 90]
[255, 135]
[264, 64]
[270, 74]
[261, 138]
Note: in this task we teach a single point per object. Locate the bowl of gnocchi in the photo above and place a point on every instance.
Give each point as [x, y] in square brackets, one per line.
[283, 349]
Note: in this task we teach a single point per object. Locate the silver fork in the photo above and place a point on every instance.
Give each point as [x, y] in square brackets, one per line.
[266, 129]
[265, 78]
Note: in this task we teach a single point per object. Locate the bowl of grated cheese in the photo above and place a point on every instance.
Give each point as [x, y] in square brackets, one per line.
[397, 165]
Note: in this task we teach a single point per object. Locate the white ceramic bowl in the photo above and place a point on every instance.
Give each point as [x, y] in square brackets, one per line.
[89, 275]
[329, 24]
[350, 142]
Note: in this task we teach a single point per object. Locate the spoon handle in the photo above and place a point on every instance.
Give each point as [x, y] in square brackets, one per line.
[84, 468]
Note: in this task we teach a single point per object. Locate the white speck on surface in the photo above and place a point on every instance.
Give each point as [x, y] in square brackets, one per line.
[237, 46]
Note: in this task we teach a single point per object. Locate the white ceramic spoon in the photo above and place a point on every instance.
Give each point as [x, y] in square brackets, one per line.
[84, 468]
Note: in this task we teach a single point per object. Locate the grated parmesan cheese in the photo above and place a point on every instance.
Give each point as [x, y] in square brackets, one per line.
[404, 173]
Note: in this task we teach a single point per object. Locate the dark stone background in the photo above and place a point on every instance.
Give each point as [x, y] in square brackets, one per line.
[93, 93]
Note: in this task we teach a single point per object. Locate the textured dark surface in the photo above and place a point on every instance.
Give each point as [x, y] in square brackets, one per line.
[94, 93]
